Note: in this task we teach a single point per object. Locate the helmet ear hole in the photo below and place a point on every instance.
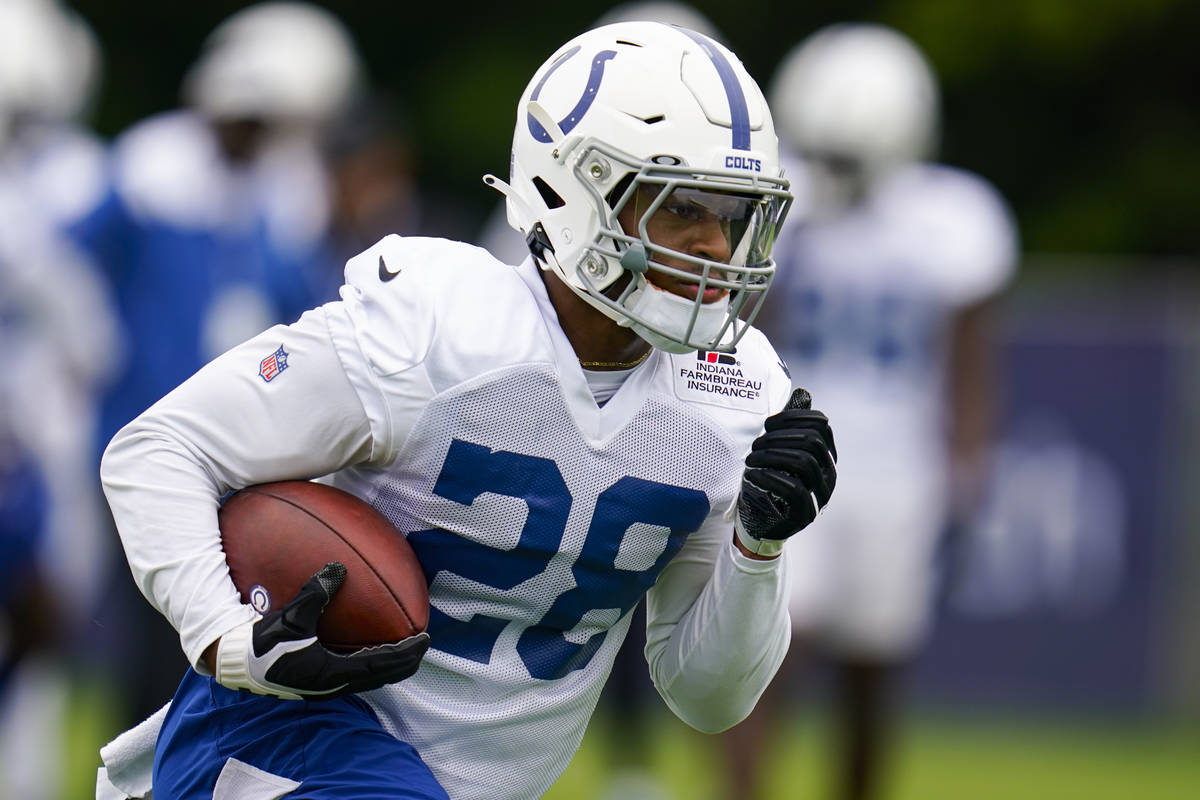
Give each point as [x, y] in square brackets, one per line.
[551, 198]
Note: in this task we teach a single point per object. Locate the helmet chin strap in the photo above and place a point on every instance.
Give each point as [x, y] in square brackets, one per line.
[666, 312]
[665, 317]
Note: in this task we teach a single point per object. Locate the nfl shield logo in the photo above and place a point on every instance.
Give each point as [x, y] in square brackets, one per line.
[273, 364]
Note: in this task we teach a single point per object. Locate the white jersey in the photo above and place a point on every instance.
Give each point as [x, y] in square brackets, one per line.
[60, 342]
[862, 303]
[170, 171]
[442, 390]
[861, 311]
[64, 167]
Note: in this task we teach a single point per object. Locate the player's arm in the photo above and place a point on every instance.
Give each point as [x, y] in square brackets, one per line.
[717, 629]
[972, 394]
[717, 622]
[978, 255]
[241, 420]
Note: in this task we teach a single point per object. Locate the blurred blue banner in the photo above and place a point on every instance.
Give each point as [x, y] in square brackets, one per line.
[1056, 595]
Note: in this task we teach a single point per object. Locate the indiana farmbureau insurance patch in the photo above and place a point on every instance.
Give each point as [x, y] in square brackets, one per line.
[718, 379]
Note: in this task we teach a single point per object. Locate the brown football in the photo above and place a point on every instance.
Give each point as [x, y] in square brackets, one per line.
[278, 535]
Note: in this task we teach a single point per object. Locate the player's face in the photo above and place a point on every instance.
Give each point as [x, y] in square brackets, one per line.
[689, 221]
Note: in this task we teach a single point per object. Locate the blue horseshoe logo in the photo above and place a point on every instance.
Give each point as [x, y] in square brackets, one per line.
[567, 123]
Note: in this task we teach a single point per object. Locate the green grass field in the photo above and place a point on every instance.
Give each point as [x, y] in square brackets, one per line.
[950, 757]
[938, 757]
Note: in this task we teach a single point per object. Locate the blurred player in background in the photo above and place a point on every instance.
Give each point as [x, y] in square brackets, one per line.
[57, 337]
[28, 620]
[553, 438]
[51, 167]
[215, 210]
[59, 345]
[373, 179]
[212, 225]
[888, 271]
[50, 72]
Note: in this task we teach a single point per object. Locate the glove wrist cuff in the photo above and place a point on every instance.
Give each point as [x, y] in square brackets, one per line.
[764, 548]
[233, 658]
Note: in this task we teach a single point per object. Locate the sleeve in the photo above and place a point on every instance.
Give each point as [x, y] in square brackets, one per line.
[717, 629]
[717, 625]
[277, 407]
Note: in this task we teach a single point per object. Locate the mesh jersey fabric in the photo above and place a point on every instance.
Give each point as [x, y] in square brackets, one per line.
[507, 409]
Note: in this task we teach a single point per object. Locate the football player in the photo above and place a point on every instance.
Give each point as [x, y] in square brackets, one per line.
[208, 227]
[59, 342]
[50, 69]
[215, 209]
[888, 272]
[62, 342]
[559, 440]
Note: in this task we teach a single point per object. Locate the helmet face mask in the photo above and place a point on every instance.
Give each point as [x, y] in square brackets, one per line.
[665, 206]
[661, 129]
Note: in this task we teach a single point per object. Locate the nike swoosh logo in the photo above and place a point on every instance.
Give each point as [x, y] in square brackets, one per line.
[385, 274]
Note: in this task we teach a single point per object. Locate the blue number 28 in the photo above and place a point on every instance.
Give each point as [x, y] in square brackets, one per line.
[471, 470]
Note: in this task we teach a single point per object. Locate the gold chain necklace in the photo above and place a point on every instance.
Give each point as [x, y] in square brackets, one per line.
[617, 364]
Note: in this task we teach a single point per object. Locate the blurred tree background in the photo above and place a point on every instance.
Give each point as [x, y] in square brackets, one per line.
[1084, 113]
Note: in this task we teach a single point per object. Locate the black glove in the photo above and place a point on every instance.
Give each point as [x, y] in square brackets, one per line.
[279, 654]
[789, 476]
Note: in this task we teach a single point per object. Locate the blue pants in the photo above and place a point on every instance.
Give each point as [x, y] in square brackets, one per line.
[335, 749]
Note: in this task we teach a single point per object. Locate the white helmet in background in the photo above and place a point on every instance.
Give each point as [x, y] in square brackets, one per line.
[658, 116]
[276, 60]
[668, 11]
[858, 98]
[49, 60]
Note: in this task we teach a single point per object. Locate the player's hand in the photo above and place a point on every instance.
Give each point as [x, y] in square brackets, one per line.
[279, 654]
[789, 477]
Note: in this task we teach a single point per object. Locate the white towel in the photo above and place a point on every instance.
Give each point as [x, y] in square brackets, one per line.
[129, 761]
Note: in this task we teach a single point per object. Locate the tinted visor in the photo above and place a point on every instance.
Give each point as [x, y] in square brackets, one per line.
[748, 222]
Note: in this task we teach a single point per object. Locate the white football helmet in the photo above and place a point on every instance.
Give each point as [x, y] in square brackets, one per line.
[49, 60]
[662, 117]
[275, 60]
[858, 98]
